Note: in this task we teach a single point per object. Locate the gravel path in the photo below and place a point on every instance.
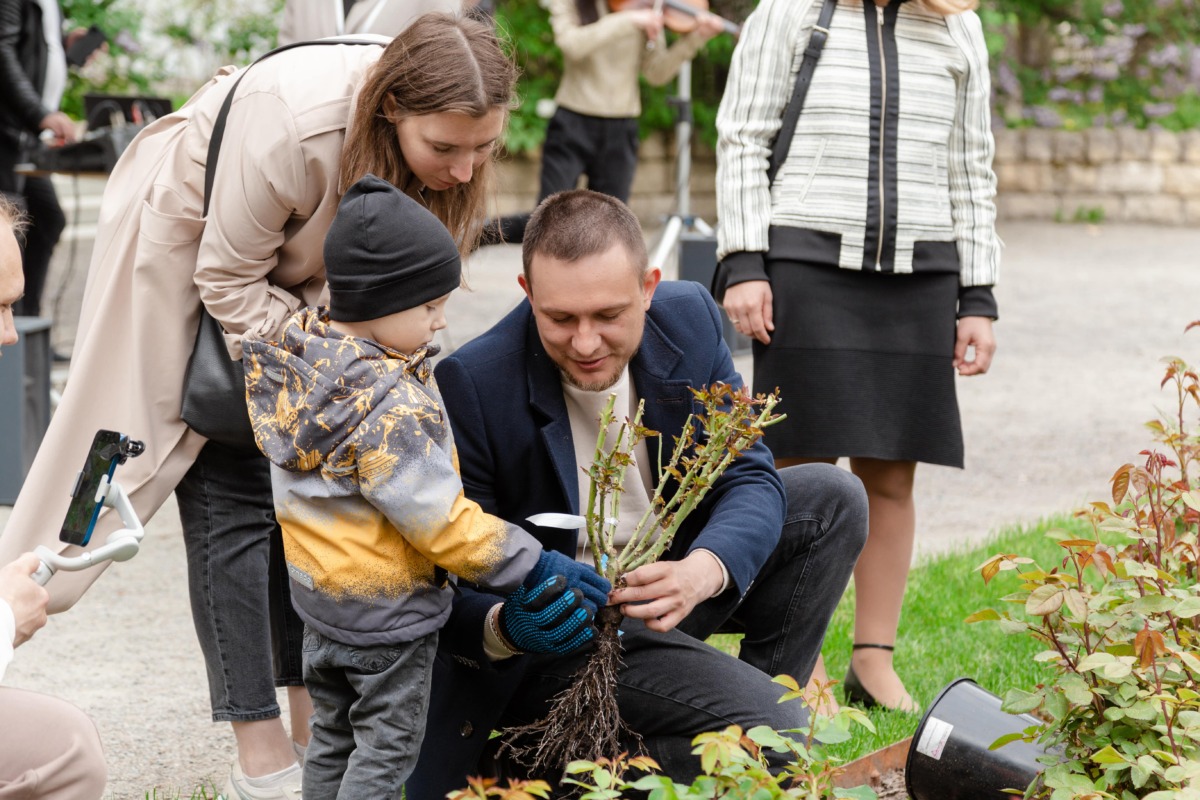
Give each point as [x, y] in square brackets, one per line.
[1087, 313]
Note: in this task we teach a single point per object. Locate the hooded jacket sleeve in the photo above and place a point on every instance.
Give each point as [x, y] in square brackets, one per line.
[970, 150]
[408, 469]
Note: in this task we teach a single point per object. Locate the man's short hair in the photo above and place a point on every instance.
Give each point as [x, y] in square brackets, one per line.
[572, 225]
[12, 216]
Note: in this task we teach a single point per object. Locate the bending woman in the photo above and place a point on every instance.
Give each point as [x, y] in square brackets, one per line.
[424, 112]
[864, 272]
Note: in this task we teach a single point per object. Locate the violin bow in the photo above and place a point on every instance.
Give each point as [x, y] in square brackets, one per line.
[729, 27]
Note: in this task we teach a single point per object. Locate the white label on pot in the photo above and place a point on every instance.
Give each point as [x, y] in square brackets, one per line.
[933, 737]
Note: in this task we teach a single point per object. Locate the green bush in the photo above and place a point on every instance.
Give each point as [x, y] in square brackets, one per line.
[1056, 63]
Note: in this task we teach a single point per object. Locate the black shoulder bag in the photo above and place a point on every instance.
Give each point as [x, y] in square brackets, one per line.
[791, 114]
[214, 385]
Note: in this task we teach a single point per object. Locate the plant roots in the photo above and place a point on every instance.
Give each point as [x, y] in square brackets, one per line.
[583, 721]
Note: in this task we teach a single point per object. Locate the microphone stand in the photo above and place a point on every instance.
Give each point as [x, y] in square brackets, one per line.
[682, 220]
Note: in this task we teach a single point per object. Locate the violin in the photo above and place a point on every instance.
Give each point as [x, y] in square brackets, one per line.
[678, 15]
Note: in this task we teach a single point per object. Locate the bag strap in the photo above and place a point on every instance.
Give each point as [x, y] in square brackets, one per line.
[812, 53]
[218, 131]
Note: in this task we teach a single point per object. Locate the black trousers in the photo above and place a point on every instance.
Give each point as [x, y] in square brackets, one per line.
[46, 223]
[604, 149]
[672, 686]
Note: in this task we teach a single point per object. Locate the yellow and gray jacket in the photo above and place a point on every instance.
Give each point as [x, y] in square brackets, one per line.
[366, 486]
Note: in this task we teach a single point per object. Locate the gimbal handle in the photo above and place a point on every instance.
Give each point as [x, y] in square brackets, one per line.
[121, 545]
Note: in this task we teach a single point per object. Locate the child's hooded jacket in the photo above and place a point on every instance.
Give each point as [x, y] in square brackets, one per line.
[366, 486]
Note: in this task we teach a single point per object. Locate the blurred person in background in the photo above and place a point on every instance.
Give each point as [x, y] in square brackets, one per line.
[33, 75]
[594, 130]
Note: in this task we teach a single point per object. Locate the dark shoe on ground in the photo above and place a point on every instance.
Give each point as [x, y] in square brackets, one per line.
[859, 695]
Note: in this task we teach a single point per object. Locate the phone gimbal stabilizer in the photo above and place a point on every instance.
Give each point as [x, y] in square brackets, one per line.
[122, 544]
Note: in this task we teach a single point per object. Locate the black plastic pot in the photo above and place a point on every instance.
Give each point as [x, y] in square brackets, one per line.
[949, 758]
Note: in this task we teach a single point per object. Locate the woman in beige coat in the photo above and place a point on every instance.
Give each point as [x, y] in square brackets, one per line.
[425, 112]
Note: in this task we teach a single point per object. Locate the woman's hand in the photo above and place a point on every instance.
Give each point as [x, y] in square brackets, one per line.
[749, 306]
[709, 25]
[974, 332]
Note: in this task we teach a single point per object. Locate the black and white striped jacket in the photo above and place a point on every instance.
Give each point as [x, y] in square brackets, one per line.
[890, 166]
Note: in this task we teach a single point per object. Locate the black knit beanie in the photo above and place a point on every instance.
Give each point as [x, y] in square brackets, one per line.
[386, 253]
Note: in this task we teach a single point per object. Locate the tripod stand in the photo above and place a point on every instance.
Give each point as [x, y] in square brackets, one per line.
[682, 220]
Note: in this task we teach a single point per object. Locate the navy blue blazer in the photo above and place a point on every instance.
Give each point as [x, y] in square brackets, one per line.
[505, 401]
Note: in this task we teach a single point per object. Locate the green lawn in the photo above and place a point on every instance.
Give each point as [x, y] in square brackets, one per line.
[935, 646]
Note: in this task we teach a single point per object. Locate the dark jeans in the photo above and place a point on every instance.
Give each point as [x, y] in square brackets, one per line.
[369, 710]
[603, 149]
[237, 578]
[673, 686]
[46, 224]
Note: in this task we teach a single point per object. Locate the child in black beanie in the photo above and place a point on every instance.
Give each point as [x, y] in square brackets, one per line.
[370, 502]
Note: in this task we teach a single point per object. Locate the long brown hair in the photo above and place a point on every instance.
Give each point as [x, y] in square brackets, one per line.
[439, 63]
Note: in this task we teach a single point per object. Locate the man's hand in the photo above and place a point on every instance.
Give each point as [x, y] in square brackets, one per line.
[665, 592]
[27, 599]
[60, 125]
[750, 308]
[974, 332]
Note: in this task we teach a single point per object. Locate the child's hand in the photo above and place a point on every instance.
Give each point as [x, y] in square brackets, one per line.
[594, 587]
[549, 617]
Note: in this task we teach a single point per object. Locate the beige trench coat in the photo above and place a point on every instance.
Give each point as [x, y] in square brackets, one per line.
[253, 260]
[315, 19]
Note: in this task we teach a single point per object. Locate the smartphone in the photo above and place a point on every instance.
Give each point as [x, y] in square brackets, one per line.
[108, 449]
[84, 46]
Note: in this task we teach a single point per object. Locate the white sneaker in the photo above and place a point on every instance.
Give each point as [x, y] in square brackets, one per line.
[285, 787]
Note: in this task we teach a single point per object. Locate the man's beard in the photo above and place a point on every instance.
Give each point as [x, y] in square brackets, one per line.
[596, 386]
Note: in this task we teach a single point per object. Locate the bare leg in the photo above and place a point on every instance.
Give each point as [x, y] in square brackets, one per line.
[881, 575]
[826, 706]
[263, 747]
[300, 710]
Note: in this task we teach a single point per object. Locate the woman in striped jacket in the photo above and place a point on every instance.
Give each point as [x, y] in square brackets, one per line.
[864, 270]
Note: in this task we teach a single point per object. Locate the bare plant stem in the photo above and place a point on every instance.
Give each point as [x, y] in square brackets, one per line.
[584, 721]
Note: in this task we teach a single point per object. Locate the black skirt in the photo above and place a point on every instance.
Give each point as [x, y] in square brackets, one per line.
[864, 364]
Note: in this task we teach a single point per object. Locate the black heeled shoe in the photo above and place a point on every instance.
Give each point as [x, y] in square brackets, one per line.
[855, 692]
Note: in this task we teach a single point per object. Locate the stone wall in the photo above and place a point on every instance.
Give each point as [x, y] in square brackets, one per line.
[1122, 175]
[1095, 175]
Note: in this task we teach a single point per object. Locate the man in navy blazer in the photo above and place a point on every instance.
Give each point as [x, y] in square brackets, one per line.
[766, 553]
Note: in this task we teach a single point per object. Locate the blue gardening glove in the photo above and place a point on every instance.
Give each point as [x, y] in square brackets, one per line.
[547, 618]
[595, 587]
